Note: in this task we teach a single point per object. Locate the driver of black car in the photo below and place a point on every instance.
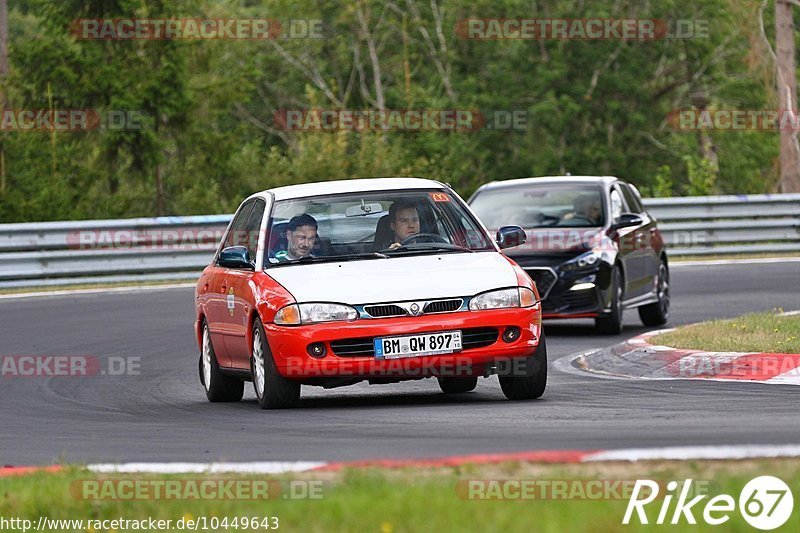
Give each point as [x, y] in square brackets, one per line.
[587, 208]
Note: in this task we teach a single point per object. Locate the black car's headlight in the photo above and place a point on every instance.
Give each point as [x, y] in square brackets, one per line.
[586, 261]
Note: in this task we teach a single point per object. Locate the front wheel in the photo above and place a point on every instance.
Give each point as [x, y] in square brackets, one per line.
[611, 323]
[218, 386]
[533, 379]
[657, 313]
[457, 385]
[273, 391]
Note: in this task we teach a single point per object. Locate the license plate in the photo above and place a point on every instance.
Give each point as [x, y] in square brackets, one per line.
[417, 345]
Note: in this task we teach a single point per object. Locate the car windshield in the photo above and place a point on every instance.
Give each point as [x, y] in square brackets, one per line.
[367, 225]
[542, 205]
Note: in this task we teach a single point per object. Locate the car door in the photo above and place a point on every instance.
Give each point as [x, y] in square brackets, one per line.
[626, 242]
[217, 291]
[633, 241]
[647, 255]
[240, 295]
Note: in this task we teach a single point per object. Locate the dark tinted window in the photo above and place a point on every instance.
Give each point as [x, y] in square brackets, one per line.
[252, 228]
[234, 236]
[631, 199]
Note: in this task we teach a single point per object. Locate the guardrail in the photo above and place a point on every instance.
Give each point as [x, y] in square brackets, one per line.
[173, 248]
[729, 225]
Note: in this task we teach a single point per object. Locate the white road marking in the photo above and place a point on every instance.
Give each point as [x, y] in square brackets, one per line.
[269, 467]
[754, 261]
[70, 292]
[682, 453]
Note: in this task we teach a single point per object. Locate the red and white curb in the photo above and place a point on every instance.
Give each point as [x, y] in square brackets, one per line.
[678, 453]
[638, 358]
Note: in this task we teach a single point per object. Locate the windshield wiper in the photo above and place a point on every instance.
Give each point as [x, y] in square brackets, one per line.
[332, 258]
[429, 247]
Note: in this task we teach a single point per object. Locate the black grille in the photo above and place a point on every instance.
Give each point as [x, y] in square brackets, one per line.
[443, 306]
[478, 337]
[384, 310]
[364, 347]
[361, 347]
[544, 279]
[583, 298]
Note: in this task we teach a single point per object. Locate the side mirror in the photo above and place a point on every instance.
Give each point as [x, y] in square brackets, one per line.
[510, 236]
[235, 257]
[627, 220]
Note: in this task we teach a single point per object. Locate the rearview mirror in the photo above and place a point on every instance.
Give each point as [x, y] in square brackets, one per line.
[235, 257]
[510, 236]
[627, 220]
[363, 209]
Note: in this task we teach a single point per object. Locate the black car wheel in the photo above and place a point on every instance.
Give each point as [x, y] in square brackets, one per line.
[611, 323]
[657, 313]
[457, 385]
[532, 381]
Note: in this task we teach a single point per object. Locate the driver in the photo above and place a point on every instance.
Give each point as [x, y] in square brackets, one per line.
[587, 207]
[403, 220]
[301, 237]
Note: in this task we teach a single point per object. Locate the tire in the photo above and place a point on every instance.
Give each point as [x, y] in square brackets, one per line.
[531, 385]
[611, 324]
[218, 386]
[457, 385]
[657, 313]
[273, 391]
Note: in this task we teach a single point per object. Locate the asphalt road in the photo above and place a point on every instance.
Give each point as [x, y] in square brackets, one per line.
[162, 414]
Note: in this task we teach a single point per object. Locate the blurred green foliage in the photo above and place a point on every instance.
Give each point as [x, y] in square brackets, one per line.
[208, 137]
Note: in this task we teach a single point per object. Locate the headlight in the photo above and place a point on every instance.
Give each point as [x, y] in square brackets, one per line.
[312, 313]
[583, 262]
[503, 298]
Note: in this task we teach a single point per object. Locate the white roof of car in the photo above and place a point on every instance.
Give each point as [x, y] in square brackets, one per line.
[304, 190]
[549, 179]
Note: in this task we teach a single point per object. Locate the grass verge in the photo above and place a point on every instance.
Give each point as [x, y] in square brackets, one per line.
[389, 501]
[769, 332]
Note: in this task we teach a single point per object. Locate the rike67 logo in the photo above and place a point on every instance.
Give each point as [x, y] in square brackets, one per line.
[765, 503]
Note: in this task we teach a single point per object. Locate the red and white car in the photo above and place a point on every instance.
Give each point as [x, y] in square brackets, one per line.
[384, 279]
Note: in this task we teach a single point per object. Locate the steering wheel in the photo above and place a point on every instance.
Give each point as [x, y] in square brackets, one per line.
[588, 220]
[432, 237]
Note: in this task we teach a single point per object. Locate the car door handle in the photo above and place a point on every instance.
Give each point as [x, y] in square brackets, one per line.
[223, 288]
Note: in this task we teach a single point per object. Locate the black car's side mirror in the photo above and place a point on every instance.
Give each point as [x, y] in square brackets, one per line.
[235, 257]
[627, 220]
[510, 236]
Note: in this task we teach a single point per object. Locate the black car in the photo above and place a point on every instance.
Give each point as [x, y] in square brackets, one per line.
[592, 248]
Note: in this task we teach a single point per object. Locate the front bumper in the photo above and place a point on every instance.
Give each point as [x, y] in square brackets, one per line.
[562, 301]
[352, 340]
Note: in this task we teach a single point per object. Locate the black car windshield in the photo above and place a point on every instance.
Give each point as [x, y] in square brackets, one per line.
[371, 225]
[541, 205]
